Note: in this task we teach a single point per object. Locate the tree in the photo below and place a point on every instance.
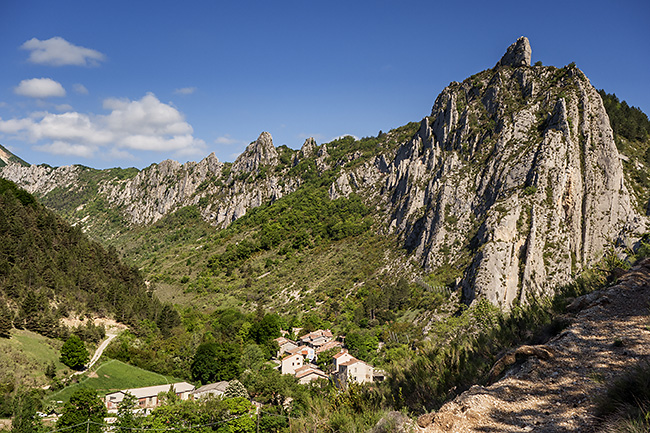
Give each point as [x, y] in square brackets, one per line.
[235, 389]
[216, 361]
[85, 411]
[5, 322]
[74, 353]
[25, 418]
[127, 419]
[50, 371]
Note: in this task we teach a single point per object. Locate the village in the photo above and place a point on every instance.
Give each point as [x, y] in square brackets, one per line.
[294, 357]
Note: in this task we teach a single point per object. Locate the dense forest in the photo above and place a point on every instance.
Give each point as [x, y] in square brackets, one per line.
[49, 270]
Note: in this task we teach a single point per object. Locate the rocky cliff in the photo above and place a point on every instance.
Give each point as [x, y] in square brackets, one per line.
[512, 184]
[222, 191]
[514, 177]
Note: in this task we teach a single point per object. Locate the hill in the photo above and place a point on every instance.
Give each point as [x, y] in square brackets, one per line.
[580, 381]
[511, 186]
[49, 269]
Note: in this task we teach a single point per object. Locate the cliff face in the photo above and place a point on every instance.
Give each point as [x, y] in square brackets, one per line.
[514, 180]
[515, 175]
[222, 192]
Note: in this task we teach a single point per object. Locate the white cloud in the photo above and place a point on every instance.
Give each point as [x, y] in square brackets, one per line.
[63, 107]
[185, 90]
[80, 89]
[14, 126]
[145, 125]
[227, 140]
[57, 51]
[40, 88]
[64, 148]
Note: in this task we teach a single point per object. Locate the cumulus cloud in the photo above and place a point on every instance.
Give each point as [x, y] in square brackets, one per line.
[185, 90]
[145, 125]
[63, 107]
[64, 148]
[57, 51]
[227, 139]
[40, 88]
[80, 89]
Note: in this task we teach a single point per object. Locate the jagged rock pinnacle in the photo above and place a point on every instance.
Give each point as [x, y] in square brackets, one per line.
[258, 153]
[518, 54]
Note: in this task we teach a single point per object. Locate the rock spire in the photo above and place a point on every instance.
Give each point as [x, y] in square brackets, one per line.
[518, 54]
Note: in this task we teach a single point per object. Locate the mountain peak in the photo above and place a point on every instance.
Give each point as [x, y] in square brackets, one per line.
[258, 153]
[518, 54]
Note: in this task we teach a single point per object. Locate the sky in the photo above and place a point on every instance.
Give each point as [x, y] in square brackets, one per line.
[130, 83]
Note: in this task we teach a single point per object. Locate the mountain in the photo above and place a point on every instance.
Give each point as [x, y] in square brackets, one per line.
[6, 157]
[510, 187]
[49, 269]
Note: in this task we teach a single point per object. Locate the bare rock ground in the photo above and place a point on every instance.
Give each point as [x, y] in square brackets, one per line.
[610, 333]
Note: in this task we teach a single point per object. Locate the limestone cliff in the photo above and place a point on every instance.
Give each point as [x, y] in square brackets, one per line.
[513, 181]
[222, 192]
[514, 177]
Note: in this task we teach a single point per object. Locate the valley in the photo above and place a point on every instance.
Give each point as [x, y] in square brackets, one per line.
[429, 251]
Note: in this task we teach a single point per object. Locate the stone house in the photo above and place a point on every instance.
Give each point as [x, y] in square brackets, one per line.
[286, 346]
[211, 389]
[354, 370]
[307, 373]
[148, 396]
[290, 363]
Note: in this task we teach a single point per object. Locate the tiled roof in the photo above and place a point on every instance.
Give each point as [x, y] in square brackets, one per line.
[152, 391]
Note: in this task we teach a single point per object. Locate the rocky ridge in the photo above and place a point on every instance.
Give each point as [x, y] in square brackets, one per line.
[609, 335]
[513, 180]
[514, 177]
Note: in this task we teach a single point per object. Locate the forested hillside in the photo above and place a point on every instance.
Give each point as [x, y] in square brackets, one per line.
[49, 270]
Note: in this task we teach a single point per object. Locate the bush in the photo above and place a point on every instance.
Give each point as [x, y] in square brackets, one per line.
[74, 353]
[626, 404]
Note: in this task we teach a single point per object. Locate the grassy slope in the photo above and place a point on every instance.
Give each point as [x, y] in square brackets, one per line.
[113, 375]
[24, 357]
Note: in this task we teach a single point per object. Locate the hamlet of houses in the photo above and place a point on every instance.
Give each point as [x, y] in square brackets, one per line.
[295, 358]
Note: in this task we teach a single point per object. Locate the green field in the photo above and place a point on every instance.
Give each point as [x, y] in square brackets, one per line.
[24, 357]
[111, 376]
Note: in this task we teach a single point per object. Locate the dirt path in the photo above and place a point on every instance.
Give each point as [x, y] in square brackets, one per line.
[611, 333]
[98, 353]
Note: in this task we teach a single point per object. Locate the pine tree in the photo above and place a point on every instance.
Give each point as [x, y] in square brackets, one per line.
[5, 322]
[74, 353]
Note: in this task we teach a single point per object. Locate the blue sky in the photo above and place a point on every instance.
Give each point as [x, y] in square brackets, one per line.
[118, 83]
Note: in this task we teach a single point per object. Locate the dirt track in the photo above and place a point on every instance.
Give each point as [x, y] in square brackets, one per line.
[610, 333]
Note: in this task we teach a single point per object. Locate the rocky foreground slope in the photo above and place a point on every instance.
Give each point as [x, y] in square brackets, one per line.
[557, 392]
[513, 181]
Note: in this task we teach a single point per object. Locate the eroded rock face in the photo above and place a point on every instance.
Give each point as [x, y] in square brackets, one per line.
[221, 195]
[259, 153]
[515, 176]
[518, 54]
[514, 179]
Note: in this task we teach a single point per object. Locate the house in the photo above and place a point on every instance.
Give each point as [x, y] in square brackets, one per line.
[307, 373]
[354, 370]
[286, 346]
[306, 352]
[317, 338]
[211, 389]
[327, 346]
[148, 396]
[291, 363]
[340, 358]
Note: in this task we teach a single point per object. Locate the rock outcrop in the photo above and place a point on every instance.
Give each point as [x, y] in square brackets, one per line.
[514, 177]
[221, 192]
[518, 54]
[513, 181]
